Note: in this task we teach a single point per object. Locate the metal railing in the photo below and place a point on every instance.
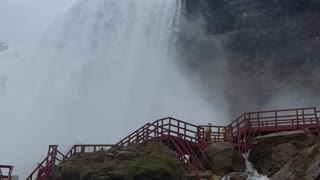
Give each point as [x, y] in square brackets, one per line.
[86, 148]
[44, 169]
[272, 121]
[239, 132]
[6, 172]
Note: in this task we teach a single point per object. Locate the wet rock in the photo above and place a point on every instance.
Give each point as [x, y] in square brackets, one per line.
[236, 176]
[305, 165]
[225, 158]
[271, 152]
[277, 157]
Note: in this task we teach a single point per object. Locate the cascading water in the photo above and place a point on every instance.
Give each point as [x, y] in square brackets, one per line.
[251, 173]
[101, 71]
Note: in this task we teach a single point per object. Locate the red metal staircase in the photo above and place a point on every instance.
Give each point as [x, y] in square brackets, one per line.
[188, 141]
[44, 169]
[6, 172]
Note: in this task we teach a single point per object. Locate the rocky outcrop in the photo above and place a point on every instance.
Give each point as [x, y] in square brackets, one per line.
[287, 155]
[225, 158]
[271, 152]
[305, 165]
[137, 162]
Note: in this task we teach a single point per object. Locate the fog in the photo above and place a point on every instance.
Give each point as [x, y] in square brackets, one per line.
[97, 72]
[23, 21]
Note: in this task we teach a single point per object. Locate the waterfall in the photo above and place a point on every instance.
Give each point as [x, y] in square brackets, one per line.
[102, 70]
[253, 173]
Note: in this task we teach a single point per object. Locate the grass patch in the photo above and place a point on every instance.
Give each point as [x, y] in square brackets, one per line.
[152, 160]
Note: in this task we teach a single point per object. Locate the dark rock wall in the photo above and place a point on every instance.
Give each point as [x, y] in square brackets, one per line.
[251, 51]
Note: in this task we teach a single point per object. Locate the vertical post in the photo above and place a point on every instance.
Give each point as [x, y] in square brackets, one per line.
[258, 117]
[276, 121]
[147, 133]
[185, 130]
[316, 119]
[297, 117]
[219, 135]
[178, 128]
[249, 123]
[245, 135]
[157, 130]
[303, 122]
[169, 126]
[238, 136]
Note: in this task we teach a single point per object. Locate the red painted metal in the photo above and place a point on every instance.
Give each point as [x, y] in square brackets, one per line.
[44, 169]
[244, 128]
[86, 148]
[6, 172]
[188, 141]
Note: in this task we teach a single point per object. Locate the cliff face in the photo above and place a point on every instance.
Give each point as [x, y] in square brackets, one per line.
[287, 155]
[255, 51]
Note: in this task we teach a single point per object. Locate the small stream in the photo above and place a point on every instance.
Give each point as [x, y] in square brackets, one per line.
[250, 171]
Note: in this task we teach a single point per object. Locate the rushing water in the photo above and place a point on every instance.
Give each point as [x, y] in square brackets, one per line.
[251, 172]
[101, 71]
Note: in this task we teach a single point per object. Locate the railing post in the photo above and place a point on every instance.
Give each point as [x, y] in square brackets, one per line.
[82, 149]
[157, 131]
[258, 117]
[148, 131]
[185, 131]
[317, 120]
[297, 118]
[238, 136]
[169, 133]
[178, 128]
[303, 120]
[276, 121]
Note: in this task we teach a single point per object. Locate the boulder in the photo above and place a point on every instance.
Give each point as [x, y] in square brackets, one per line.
[277, 158]
[271, 152]
[225, 158]
[305, 165]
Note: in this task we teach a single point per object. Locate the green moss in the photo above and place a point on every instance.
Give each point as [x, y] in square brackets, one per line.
[154, 160]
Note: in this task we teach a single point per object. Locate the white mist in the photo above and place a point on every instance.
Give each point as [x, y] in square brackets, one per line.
[102, 70]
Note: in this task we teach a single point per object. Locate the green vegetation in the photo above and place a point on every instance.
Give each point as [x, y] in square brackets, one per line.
[148, 160]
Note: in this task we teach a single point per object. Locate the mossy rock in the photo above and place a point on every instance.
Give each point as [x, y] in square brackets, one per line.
[151, 161]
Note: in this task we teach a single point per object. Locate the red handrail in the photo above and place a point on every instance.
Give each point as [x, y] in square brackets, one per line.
[85, 148]
[239, 132]
[46, 166]
[6, 172]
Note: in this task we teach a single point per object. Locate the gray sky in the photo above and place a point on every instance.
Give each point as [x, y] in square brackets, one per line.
[22, 21]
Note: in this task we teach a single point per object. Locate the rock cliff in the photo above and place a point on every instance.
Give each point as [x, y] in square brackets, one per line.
[255, 54]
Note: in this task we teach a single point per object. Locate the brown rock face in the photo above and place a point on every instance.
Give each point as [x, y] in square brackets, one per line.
[304, 166]
[225, 158]
[271, 152]
[279, 157]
